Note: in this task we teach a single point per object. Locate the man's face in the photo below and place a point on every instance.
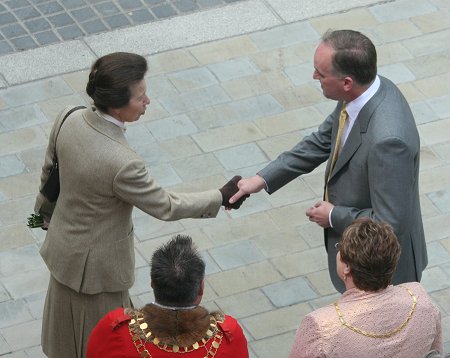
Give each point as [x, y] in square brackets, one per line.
[332, 86]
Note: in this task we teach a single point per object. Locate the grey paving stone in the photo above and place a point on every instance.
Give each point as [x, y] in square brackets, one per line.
[209, 3]
[116, 21]
[60, 20]
[211, 265]
[4, 347]
[397, 73]
[241, 156]
[152, 153]
[197, 167]
[23, 43]
[141, 16]
[402, 9]
[71, 4]
[237, 254]
[24, 284]
[13, 312]
[7, 18]
[10, 165]
[46, 37]
[93, 27]
[70, 32]
[26, 13]
[165, 175]
[185, 5]
[35, 303]
[189, 101]
[435, 278]
[130, 4]
[153, 2]
[14, 335]
[107, 9]
[255, 107]
[299, 74]
[5, 48]
[234, 68]
[163, 11]
[423, 113]
[172, 127]
[194, 78]
[441, 199]
[21, 117]
[37, 25]
[440, 106]
[50, 7]
[138, 135]
[35, 91]
[284, 36]
[142, 281]
[19, 260]
[83, 14]
[15, 4]
[289, 292]
[13, 30]
[35, 352]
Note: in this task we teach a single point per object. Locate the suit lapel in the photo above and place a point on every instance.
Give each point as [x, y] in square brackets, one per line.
[360, 126]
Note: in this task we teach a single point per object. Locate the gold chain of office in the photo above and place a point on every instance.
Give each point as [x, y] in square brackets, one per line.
[379, 335]
[140, 334]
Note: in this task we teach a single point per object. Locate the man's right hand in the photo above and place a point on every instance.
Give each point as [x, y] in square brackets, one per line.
[248, 186]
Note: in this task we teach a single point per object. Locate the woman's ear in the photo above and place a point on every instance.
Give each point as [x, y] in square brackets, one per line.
[347, 269]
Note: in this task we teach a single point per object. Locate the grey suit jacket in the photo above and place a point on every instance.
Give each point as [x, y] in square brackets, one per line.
[89, 243]
[376, 175]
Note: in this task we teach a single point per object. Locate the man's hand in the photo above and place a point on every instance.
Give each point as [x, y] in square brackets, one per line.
[320, 213]
[248, 186]
[228, 190]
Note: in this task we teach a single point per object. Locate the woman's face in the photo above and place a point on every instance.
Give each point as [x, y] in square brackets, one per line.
[137, 104]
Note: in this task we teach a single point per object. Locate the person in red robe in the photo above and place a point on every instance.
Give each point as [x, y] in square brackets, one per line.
[174, 323]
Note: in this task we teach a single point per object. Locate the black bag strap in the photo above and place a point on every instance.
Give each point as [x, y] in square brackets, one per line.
[55, 158]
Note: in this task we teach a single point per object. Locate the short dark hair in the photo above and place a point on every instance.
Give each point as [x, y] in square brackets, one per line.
[112, 76]
[372, 251]
[177, 270]
[355, 55]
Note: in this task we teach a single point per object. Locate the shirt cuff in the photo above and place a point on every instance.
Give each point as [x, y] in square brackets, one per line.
[329, 217]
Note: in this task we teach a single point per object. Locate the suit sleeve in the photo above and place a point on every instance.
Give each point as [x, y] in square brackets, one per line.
[134, 185]
[392, 178]
[304, 157]
[308, 340]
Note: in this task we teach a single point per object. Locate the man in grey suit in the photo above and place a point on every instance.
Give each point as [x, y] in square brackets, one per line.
[373, 156]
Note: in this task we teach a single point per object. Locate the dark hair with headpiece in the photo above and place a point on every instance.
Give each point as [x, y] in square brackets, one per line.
[372, 251]
[355, 55]
[112, 76]
[177, 270]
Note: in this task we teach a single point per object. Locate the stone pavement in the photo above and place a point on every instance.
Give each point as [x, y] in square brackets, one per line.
[231, 87]
[27, 24]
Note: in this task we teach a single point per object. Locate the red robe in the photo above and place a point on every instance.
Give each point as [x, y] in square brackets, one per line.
[111, 338]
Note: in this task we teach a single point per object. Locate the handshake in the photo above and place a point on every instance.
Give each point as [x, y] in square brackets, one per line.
[230, 189]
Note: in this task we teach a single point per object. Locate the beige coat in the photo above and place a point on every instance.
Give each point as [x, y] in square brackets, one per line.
[89, 243]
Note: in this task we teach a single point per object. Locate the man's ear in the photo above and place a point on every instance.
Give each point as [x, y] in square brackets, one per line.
[151, 284]
[348, 83]
[201, 289]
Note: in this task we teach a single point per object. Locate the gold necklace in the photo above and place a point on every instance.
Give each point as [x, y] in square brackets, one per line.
[140, 334]
[381, 335]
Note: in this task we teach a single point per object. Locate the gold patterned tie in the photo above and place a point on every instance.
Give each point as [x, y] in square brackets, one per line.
[342, 118]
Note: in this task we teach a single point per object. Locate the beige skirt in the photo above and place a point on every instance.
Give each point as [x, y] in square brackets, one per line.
[69, 318]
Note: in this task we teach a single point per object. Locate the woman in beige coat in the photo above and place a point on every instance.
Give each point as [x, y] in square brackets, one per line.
[89, 244]
[372, 318]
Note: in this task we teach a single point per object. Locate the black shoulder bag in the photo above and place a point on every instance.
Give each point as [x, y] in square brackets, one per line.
[51, 187]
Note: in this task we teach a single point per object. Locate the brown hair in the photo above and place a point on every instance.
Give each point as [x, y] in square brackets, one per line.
[355, 55]
[372, 251]
[111, 78]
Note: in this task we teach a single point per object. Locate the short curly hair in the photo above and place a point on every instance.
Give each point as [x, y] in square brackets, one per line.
[372, 250]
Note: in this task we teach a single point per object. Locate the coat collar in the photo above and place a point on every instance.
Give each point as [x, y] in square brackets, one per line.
[112, 131]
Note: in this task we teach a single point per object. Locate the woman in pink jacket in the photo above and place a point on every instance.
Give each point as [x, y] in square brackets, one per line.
[372, 318]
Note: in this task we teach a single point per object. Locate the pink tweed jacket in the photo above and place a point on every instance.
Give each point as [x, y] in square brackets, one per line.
[321, 333]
